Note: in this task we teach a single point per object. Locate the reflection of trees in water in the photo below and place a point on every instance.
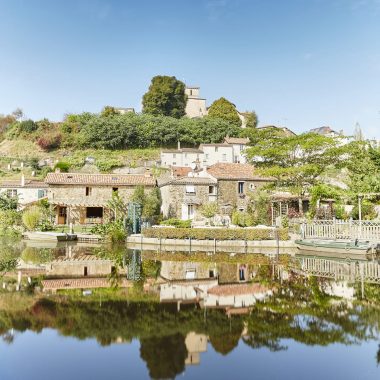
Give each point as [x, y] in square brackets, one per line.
[165, 356]
[378, 356]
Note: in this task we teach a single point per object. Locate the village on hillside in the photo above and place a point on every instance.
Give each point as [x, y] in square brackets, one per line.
[236, 179]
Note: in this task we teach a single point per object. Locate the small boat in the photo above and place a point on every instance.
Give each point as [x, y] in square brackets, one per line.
[50, 236]
[335, 246]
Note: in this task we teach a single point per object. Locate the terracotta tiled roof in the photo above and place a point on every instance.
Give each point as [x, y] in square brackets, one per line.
[237, 140]
[99, 179]
[235, 172]
[31, 184]
[180, 171]
[81, 283]
[237, 289]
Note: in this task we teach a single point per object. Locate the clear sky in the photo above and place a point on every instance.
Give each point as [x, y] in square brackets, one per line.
[297, 63]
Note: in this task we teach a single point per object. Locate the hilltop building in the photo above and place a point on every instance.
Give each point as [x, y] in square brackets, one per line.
[195, 106]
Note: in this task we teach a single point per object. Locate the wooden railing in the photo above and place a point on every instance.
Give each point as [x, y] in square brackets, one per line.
[368, 271]
[340, 229]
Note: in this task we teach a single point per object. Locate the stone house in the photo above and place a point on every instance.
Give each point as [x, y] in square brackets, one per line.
[235, 182]
[83, 198]
[228, 184]
[27, 191]
[183, 196]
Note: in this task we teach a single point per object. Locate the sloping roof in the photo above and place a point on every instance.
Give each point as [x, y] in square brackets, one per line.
[190, 181]
[230, 171]
[99, 179]
[182, 150]
[180, 171]
[286, 131]
[237, 289]
[323, 131]
[29, 184]
[237, 140]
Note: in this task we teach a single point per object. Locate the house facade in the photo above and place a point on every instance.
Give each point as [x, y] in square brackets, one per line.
[84, 198]
[235, 184]
[232, 150]
[182, 197]
[228, 184]
[27, 191]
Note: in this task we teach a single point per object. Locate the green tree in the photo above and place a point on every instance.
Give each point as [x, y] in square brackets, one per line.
[296, 162]
[166, 96]
[109, 111]
[251, 119]
[138, 195]
[32, 217]
[152, 204]
[225, 110]
[209, 209]
[7, 202]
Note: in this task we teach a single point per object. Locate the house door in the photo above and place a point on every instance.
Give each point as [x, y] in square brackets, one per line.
[62, 215]
[190, 211]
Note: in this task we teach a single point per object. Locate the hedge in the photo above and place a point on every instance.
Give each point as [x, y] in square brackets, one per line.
[216, 233]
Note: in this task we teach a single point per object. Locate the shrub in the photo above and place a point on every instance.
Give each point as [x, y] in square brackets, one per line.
[209, 209]
[9, 219]
[50, 142]
[28, 126]
[113, 231]
[64, 167]
[177, 223]
[31, 217]
[368, 211]
[215, 233]
[242, 219]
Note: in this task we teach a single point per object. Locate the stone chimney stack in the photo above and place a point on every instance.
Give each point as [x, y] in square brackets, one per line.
[22, 180]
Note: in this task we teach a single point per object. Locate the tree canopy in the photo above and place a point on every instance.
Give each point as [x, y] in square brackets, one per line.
[296, 162]
[225, 110]
[166, 96]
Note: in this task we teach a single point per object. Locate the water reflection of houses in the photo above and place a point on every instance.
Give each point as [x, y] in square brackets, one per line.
[195, 345]
[210, 285]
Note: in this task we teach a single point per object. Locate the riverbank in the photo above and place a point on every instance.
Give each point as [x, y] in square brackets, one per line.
[138, 241]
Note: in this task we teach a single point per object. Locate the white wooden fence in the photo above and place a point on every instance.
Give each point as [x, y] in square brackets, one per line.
[340, 229]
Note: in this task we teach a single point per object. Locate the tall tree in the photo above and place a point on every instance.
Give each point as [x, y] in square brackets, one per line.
[166, 96]
[298, 161]
[225, 110]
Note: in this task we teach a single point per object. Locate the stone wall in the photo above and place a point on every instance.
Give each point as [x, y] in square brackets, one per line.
[229, 197]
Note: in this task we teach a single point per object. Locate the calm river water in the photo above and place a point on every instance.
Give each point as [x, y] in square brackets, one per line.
[164, 315]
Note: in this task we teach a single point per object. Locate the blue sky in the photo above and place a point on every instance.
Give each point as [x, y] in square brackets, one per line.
[297, 63]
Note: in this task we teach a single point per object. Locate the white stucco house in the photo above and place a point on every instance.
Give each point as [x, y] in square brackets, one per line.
[26, 190]
[230, 151]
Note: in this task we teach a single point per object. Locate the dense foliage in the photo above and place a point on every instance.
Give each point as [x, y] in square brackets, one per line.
[225, 110]
[166, 97]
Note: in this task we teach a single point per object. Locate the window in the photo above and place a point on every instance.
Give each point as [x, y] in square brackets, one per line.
[174, 163]
[88, 191]
[216, 149]
[41, 193]
[252, 186]
[190, 189]
[211, 273]
[185, 155]
[12, 193]
[241, 187]
[94, 212]
[115, 189]
[211, 189]
[224, 157]
[206, 156]
[241, 147]
[174, 155]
